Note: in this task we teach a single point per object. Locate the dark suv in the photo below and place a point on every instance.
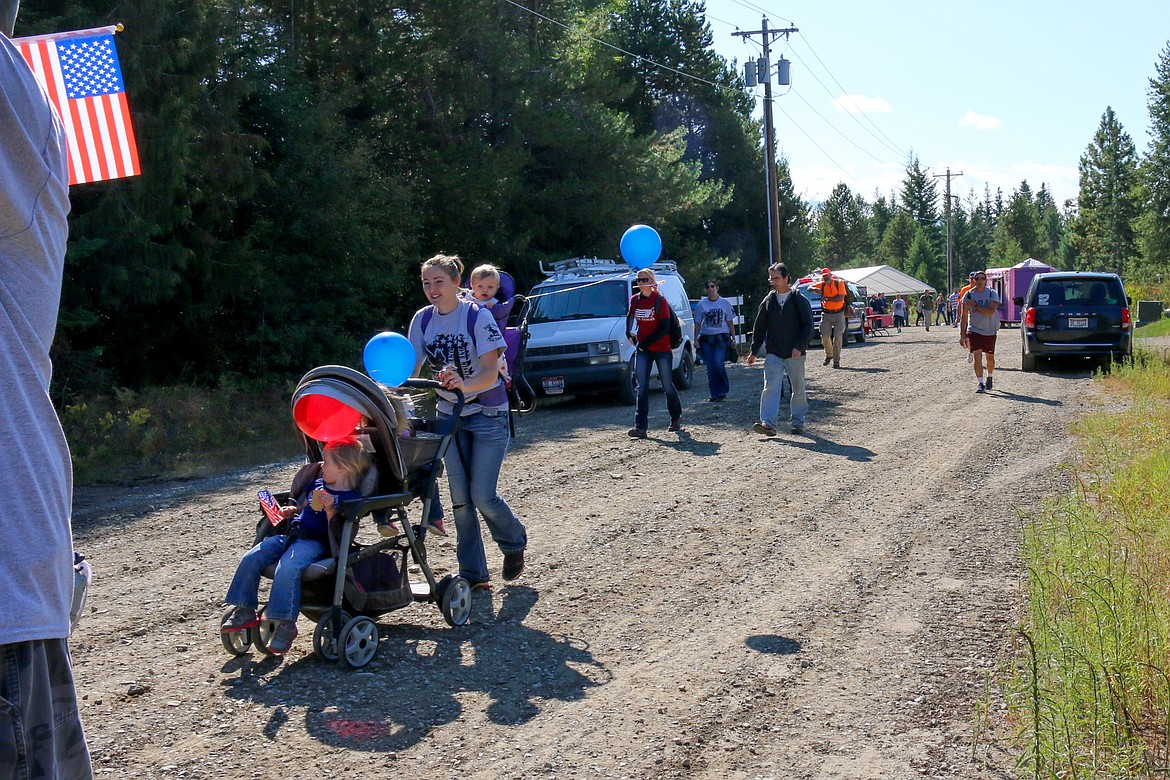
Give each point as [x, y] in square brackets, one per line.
[1075, 313]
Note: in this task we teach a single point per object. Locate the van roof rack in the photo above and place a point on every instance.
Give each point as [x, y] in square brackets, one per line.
[593, 266]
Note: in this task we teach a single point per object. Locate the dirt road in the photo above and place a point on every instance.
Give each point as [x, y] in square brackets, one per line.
[707, 604]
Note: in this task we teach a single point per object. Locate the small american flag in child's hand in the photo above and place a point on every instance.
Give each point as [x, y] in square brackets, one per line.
[271, 509]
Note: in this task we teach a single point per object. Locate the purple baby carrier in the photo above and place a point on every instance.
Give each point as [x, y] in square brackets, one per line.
[511, 315]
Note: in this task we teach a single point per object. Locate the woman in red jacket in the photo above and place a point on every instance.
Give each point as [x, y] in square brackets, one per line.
[648, 328]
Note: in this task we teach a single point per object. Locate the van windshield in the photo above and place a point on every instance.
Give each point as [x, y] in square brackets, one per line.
[580, 300]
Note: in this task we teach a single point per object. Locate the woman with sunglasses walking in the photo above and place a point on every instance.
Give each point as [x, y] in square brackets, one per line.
[648, 328]
[715, 334]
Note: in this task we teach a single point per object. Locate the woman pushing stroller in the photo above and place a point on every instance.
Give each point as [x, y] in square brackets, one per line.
[464, 355]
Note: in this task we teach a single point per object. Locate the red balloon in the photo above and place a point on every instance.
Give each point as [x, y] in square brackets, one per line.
[324, 419]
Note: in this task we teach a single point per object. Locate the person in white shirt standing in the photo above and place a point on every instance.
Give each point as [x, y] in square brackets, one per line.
[40, 729]
[715, 334]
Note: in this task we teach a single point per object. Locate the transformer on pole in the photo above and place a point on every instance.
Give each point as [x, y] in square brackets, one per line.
[764, 76]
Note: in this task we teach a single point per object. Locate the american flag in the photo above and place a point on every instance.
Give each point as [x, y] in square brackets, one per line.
[270, 507]
[80, 72]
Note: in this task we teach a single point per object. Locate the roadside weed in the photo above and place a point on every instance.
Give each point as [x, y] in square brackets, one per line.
[1090, 693]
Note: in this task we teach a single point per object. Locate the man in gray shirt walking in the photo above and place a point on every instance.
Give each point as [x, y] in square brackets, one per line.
[979, 326]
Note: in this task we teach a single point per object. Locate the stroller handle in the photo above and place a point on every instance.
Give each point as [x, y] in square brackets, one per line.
[431, 384]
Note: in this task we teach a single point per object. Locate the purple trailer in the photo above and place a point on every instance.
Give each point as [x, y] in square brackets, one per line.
[1013, 282]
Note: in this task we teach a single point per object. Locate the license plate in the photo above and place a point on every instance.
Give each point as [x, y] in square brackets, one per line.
[554, 385]
[1078, 322]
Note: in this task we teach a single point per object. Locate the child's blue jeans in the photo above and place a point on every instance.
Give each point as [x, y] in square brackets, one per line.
[291, 556]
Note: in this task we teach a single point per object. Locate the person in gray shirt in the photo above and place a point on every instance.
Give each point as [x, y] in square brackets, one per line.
[978, 327]
[36, 556]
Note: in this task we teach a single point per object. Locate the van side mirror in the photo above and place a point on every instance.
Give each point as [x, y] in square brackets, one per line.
[1018, 300]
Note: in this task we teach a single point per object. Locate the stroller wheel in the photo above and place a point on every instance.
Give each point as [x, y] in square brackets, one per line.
[237, 642]
[324, 644]
[359, 642]
[456, 601]
[262, 633]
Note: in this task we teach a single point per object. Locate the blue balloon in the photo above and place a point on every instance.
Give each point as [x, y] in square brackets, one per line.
[389, 358]
[641, 246]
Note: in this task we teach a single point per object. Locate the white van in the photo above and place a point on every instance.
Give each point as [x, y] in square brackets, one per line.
[577, 328]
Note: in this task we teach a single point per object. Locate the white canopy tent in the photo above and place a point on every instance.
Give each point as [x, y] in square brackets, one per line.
[884, 279]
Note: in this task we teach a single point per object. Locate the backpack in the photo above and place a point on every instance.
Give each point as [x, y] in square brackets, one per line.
[515, 403]
[676, 337]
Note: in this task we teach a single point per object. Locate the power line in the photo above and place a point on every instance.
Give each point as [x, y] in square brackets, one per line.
[860, 148]
[828, 156]
[845, 94]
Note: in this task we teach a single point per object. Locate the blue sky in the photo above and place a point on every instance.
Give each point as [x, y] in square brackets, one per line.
[1002, 91]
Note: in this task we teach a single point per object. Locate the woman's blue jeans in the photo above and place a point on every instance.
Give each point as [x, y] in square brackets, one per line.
[483, 440]
[643, 362]
[291, 556]
[713, 348]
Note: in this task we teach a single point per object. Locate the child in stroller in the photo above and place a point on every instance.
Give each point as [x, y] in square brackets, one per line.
[356, 581]
[306, 541]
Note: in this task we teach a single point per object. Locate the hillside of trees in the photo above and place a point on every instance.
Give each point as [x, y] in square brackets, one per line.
[301, 158]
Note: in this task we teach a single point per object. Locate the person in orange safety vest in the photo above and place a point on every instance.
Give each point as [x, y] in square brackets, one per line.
[834, 299]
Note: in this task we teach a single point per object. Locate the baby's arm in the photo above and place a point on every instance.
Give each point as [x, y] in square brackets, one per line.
[323, 499]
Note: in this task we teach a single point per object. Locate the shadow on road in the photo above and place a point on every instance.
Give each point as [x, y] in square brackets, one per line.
[416, 683]
[807, 441]
[773, 644]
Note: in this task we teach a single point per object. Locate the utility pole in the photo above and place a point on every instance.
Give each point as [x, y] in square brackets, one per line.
[763, 73]
[950, 252]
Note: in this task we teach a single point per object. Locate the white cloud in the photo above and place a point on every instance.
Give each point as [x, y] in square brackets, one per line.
[980, 121]
[860, 104]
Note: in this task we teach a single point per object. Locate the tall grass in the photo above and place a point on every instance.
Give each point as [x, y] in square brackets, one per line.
[1091, 690]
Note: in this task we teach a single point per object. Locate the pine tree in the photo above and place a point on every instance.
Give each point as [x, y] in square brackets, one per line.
[920, 198]
[897, 240]
[1019, 234]
[842, 229]
[1155, 220]
[1103, 231]
[922, 261]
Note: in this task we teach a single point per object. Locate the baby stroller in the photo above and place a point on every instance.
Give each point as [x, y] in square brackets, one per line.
[359, 582]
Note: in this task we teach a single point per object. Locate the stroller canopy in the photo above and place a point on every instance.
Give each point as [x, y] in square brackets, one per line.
[367, 397]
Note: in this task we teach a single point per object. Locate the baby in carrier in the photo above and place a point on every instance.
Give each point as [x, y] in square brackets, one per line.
[485, 285]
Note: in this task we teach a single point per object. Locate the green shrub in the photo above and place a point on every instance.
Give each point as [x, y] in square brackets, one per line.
[178, 432]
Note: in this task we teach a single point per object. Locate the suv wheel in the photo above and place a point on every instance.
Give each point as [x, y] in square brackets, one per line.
[1027, 361]
[684, 375]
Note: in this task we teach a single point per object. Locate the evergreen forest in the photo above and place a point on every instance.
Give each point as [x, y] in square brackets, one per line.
[300, 159]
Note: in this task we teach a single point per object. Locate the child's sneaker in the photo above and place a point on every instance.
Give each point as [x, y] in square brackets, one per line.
[987, 382]
[239, 619]
[386, 527]
[282, 637]
[436, 526]
[981, 388]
